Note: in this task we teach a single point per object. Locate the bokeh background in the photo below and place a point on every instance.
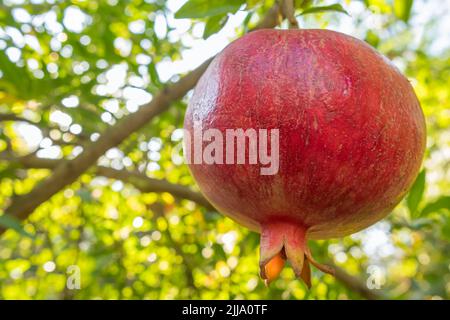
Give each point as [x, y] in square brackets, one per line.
[135, 224]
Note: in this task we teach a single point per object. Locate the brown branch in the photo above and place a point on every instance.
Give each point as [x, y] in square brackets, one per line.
[288, 12]
[146, 184]
[68, 171]
[355, 284]
[139, 180]
[14, 117]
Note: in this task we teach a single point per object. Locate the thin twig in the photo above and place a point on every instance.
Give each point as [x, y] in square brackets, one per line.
[288, 12]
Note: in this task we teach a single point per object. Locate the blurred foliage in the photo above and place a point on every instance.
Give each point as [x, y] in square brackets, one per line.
[70, 69]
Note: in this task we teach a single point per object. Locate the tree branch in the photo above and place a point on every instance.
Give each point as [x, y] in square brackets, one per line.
[139, 180]
[288, 12]
[146, 184]
[68, 172]
[14, 117]
[355, 284]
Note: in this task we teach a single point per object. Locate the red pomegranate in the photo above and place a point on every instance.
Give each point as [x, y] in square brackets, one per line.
[351, 139]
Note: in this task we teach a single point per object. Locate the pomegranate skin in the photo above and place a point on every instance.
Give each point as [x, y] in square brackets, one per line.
[351, 133]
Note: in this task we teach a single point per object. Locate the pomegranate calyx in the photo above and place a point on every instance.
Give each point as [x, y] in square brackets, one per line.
[281, 241]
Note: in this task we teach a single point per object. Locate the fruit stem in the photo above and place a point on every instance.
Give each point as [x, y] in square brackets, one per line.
[288, 12]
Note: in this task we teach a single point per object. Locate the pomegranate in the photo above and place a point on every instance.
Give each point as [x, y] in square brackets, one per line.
[351, 139]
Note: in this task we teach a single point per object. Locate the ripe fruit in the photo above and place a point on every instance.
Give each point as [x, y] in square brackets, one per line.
[351, 138]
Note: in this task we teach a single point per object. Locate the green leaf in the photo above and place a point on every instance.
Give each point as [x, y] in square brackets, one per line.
[253, 3]
[303, 4]
[11, 222]
[421, 223]
[372, 38]
[154, 74]
[9, 172]
[416, 193]
[250, 242]
[441, 203]
[246, 21]
[85, 195]
[219, 251]
[214, 24]
[446, 229]
[402, 9]
[207, 8]
[334, 7]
